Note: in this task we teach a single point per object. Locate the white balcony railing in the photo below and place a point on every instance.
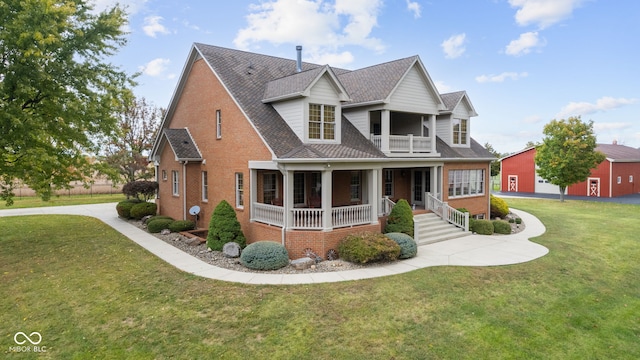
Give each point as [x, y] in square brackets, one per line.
[307, 219]
[404, 143]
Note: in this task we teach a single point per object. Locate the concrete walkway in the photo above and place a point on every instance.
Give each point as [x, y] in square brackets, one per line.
[473, 250]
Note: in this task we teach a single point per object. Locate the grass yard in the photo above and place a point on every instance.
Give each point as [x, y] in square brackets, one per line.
[92, 293]
[36, 201]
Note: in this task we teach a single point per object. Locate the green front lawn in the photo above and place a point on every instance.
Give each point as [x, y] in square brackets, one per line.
[92, 293]
[35, 201]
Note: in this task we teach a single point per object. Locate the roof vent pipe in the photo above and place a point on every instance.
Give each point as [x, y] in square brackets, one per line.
[299, 62]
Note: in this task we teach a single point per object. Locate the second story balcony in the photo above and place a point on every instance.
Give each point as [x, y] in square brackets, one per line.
[400, 134]
[408, 144]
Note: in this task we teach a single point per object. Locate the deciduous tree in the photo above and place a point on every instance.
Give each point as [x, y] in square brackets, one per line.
[127, 154]
[58, 94]
[567, 153]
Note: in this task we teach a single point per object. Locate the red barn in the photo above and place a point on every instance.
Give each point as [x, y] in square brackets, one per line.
[616, 176]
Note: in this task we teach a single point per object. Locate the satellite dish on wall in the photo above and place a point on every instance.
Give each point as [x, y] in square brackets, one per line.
[195, 210]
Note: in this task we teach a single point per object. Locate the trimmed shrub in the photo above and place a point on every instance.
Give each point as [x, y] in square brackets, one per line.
[265, 255]
[483, 227]
[138, 211]
[501, 227]
[408, 246]
[401, 219]
[158, 225]
[368, 247]
[140, 188]
[224, 227]
[499, 207]
[518, 221]
[182, 225]
[158, 217]
[124, 208]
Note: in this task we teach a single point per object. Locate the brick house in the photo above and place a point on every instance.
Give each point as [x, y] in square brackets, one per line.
[308, 153]
[617, 175]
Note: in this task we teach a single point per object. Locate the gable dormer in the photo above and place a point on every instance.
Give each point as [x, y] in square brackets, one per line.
[310, 103]
[454, 123]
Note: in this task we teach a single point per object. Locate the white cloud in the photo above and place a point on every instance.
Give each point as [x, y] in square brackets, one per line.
[524, 44]
[501, 77]
[453, 47]
[604, 127]
[544, 13]
[533, 119]
[603, 104]
[415, 8]
[156, 67]
[442, 87]
[322, 27]
[152, 26]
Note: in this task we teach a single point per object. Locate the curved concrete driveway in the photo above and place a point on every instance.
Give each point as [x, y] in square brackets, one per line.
[473, 250]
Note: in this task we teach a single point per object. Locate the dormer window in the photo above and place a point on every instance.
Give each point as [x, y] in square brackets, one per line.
[322, 122]
[460, 131]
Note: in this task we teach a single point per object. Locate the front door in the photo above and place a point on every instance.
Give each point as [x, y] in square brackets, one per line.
[593, 187]
[420, 183]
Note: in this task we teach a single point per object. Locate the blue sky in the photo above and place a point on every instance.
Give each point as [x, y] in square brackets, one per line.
[522, 62]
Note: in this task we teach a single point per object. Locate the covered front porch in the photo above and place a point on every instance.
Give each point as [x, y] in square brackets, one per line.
[319, 197]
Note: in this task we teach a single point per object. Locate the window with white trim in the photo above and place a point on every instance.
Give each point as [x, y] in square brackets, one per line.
[322, 122]
[205, 186]
[619, 179]
[164, 175]
[466, 182]
[298, 188]
[218, 124]
[388, 183]
[356, 186]
[630, 178]
[460, 131]
[239, 191]
[175, 182]
[269, 187]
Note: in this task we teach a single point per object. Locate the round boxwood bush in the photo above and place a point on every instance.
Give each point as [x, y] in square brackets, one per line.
[400, 219]
[158, 225]
[124, 207]
[499, 207]
[182, 225]
[158, 217]
[368, 247]
[483, 227]
[501, 227]
[138, 211]
[408, 246]
[264, 255]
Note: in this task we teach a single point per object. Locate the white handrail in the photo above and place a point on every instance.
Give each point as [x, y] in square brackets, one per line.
[447, 213]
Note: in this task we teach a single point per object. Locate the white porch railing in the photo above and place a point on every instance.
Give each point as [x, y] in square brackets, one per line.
[351, 215]
[386, 205]
[307, 219]
[448, 213]
[311, 219]
[268, 214]
[404, 143]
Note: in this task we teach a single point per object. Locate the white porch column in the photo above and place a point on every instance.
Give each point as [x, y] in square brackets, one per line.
[253, 191]
[374, 178]
[385, 130]
[432, 132]
[327, 203]
[287, 197]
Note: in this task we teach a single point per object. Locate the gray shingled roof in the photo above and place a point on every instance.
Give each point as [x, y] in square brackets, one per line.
[246, 75]
[621, 153]
[375, 83]
[474, 151]
[452, 99]
[291, 85]
[182, 144]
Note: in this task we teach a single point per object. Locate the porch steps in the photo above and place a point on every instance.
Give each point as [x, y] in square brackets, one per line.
[430, 228]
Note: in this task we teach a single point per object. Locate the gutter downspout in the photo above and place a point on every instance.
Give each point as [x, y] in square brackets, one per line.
[184, 190]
